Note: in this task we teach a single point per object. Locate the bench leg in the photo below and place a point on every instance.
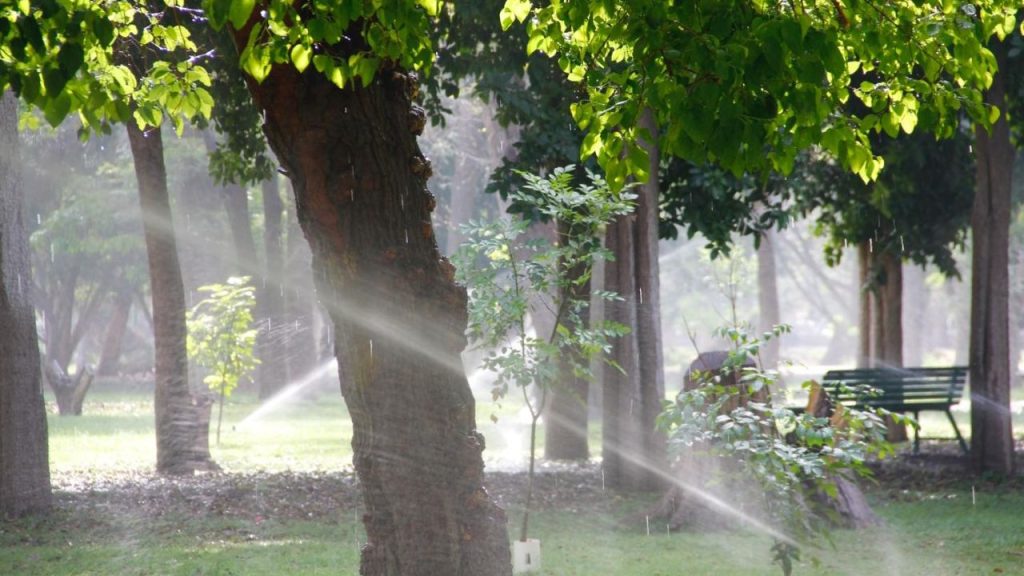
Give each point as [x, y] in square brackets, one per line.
[917, 433]
[963, 445]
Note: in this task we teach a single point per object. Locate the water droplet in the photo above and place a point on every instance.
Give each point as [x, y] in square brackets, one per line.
[39, 219]
[406, 235]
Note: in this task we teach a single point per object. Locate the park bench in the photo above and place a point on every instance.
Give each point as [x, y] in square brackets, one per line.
[913, 390]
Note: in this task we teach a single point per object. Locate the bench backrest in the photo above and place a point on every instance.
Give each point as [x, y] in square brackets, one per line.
[899, 389]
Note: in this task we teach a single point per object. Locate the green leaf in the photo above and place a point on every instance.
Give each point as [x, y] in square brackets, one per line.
[300, 57]
[513, 11]
[57, 109]
[240, 12]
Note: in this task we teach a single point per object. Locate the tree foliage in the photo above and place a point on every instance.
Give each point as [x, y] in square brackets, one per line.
[67, 57]
[748, 85]
[505, 275]
[221, 336]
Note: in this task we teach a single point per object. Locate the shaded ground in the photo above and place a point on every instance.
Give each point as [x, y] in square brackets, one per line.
[293, 496]
[322, 496]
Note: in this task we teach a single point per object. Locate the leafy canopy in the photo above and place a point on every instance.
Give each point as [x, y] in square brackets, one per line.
[747, 84]
[221, 336]
[70, 56]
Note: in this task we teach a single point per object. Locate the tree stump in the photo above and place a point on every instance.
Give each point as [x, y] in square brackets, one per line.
[708, 492]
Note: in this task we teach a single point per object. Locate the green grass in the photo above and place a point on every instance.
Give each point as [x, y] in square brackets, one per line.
[925, 533]
[116, 433]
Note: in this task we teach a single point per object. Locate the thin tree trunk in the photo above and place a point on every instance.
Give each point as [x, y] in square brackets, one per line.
[864, 353]
[272, 373]
[298, 331]
[111, 353]
[236, 204]
[565, 420]
[175, 413]
[768, 298]
[400, 319]
[24, 461]
[991, 424]
[915, 300]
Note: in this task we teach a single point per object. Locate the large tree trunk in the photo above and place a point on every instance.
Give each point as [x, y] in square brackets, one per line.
[621, 433]
[360, 189]
[175, 413]
[24, 460]
[651, 368]
[272, 373]
[991, 424]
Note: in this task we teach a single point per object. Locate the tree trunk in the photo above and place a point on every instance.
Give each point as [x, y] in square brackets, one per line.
[621, 433]
[991, 424]
[651, 369]
[116, 329]
[565, 419]
[298, 331]
[24, 455]
[272, 373]
[236, 204]
[175, 412]
[889, 317]
[400, 319]
[915, 299]
[768, 298]
[864, 353]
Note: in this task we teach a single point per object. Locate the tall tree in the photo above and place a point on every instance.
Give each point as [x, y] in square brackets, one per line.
[345, 134]
[24, 461]
[176, 415]
[991, 423]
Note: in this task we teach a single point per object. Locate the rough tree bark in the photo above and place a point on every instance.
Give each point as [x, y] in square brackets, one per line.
[272, 372]
[991, 424]
[360, 188]
[176, 415]
[24, 461]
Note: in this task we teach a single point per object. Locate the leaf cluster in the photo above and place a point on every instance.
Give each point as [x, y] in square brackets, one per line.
[506, 274]
[75, 56]
[221, 336]
[748, 85]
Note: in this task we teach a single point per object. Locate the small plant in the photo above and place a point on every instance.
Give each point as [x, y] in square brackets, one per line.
[506, 275]
[221, 336]
[792, 458]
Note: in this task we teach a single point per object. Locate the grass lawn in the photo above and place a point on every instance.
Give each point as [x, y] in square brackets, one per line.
[287, 504]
